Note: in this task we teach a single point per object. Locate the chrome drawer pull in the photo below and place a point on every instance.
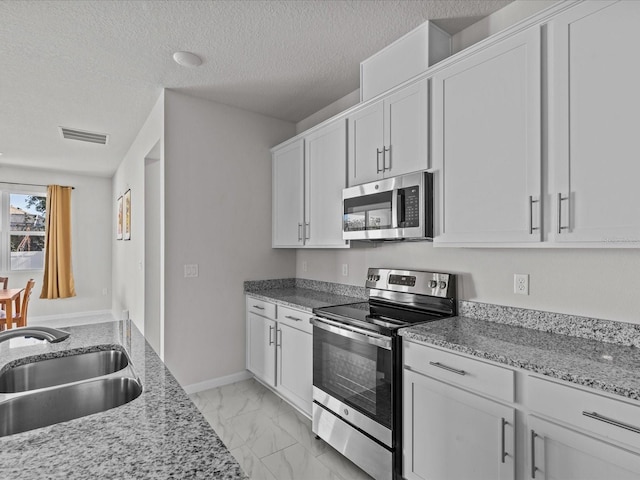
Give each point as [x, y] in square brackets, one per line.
[258, 307]
[293, 318]
[611, 421]
[451, 369]
[560, 200]
[533, 454]
[271, 330]
[503, 454]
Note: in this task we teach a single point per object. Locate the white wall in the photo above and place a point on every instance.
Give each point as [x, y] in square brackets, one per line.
[329, 111]
[590, 282]
[218, 215]
[91, 236]
[128, 255]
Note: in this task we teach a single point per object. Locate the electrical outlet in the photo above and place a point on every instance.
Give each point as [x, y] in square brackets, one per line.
[304, 266]
[191, 271]
[521, 283]
[345, 269]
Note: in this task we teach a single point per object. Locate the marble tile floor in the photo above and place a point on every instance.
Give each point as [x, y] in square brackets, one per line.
[268, 437]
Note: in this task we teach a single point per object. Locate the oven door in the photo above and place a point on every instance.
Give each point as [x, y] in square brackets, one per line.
[353, 376]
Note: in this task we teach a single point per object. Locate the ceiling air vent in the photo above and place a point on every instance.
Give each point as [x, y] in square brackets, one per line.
[84, 136]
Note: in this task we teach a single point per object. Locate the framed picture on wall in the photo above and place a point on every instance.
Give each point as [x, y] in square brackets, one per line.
[127, 215]
[120, 220]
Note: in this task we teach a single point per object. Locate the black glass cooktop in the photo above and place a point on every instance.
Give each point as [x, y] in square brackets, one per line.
[379, 318]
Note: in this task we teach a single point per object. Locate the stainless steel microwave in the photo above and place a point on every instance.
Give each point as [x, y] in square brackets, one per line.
[396, 208]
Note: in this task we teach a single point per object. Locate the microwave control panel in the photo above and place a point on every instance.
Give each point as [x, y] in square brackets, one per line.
[410, 210]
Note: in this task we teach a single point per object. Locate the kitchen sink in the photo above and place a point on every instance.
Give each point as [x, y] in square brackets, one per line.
[60, 370]
[54, 405]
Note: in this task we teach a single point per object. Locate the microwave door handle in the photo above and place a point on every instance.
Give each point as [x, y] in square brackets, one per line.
[395, 194]
[400, 205]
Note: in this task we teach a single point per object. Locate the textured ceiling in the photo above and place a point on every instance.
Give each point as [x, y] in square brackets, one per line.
[100, 65]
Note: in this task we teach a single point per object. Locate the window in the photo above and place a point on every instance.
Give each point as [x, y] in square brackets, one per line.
[22, 224]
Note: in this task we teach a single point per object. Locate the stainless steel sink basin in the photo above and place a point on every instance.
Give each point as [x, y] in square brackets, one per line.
[47, 407]
[60, 370]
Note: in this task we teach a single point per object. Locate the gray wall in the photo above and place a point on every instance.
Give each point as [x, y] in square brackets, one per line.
[218, 215]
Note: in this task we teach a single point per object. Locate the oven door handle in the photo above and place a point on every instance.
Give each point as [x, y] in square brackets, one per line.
[354, 333]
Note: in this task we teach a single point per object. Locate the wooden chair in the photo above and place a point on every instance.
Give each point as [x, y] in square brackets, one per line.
[4, 283]
[20, 315]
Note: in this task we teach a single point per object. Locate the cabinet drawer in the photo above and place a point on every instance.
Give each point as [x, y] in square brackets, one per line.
[295, 318]
[614, 419]
[260, 307]
[465, 372]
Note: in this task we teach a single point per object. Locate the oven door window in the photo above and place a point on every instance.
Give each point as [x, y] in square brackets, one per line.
[354, 372]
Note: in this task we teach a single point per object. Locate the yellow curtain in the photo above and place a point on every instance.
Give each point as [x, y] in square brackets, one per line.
[58, 275]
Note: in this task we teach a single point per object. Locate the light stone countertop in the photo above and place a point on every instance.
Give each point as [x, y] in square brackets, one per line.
[159, 435]
[611, 367]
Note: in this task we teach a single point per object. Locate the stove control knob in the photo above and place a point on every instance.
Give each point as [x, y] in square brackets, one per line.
[443, 285]
[433, 284]
[377, 277]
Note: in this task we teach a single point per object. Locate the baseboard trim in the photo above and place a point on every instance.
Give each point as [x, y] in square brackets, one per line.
[62, 316]
[217, 382]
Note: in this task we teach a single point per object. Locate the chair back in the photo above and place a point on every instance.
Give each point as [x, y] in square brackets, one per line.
[4, 282]
[25, 302]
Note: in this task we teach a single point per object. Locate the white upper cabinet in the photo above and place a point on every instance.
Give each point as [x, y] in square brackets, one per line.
[325, 177]
[487, 144]
[594, 100]
[390, 137]
[308, 177]
[288, 194]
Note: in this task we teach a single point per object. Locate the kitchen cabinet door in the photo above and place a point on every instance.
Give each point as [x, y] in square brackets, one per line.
[261, 347]
[406, 132]
[325, 177]
[366, 137]
[593, 131]
[288, 195]
[559, 453]
[486, 144]
[295, 366]
[449, 433]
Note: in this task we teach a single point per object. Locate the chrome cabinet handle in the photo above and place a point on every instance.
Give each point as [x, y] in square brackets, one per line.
[378, 152]
[293, 318]
[299, 232]
[531, 227]
[258, 307]
[279, 331]
[611, 421]
[270, 330]
[307, 231]
[533, 454]
[504, 454]
[560, 199]
[384, 158]
[450, 369]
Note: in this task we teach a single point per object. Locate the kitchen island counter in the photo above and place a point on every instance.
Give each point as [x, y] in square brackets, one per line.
[159, 435]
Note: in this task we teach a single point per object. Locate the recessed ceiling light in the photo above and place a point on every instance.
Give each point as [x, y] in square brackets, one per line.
[187, 59]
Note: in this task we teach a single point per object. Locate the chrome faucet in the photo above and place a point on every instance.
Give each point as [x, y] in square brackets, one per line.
[52, 335]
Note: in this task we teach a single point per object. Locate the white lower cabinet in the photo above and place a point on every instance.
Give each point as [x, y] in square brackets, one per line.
[450, 433]
[579, 434]
[471, 419]
[279, 350]
[561, 453]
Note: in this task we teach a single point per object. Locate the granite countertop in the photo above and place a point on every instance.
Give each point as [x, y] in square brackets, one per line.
[159, 435]
[304, 294]
[611, 367]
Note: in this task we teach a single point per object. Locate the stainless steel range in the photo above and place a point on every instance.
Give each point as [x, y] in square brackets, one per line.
[357, 364]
